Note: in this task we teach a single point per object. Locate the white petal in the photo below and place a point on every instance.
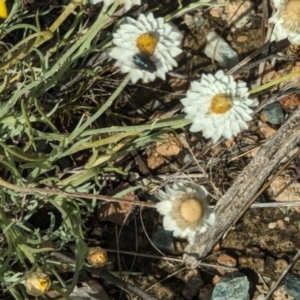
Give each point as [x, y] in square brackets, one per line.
[164, 207]
[191, 237]
[177, 232]
[210, 219]
[169, 223]
[202, 229]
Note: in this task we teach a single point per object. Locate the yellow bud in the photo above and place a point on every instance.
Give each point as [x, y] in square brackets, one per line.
[97, 257]
[3, 10]
[37, 284]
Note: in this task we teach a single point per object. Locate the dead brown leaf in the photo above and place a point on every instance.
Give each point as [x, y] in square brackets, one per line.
[117, 212]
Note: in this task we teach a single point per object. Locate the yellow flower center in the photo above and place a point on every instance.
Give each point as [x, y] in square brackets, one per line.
[220, 104]
[191, 210]
[147, 43]
[293, 9]
[97, 257]
[291, 16]
[43, 284]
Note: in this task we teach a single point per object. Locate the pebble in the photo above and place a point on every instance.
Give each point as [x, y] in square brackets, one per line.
[280, 224]
[206, 292]
[216, 247]
[281, 265]
[242, 38]
[257, 264]
[187, 158]
[216, 12]
[273, 113]
[232, 286]
[289, 102]
[272, 225]
[216, 279]
[219, 50]
[193, 283]
[266, 130]
[169, 147]
[227, 260]
[292, 286]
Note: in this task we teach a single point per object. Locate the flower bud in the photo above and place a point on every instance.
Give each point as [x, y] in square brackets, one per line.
[37, 284]
[97, 257]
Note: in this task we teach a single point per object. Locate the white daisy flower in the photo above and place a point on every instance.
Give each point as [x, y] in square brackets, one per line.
[287, 21]
[218, 106]
[145, 48]
[185, 210]
[127, 3]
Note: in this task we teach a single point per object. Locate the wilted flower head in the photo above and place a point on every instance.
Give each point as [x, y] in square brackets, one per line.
[218, 106]
[145, 48]
[127, 3]
[97, 257]
[37, 284]
[287, 21]
[185, 210]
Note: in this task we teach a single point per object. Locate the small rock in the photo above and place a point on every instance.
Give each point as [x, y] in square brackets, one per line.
[218, 49]
[254, 251]
[280, 294]
[193, 283]
[292, 286]
[171, 145]
[266, 130]
[155, 160]
[272, 225]
[280, 224]
[216, 279]
[88, 290]
[206, 292]
[227, 260]
[216, 247]
[187, 158]
[281, 265]
[230, 143]
[232, 286]
[290, 102]
[257, 264]
[286, 246]
[242, 38]
[273, 114]
[253, 152]
[163, 240]
[229, 38]
[216, 12]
